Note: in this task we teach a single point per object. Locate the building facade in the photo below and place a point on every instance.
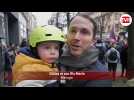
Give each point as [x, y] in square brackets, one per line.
[107, 22]
[14, 26]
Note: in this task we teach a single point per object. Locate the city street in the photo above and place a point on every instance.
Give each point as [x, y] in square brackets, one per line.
[119, 82]
[18, 36]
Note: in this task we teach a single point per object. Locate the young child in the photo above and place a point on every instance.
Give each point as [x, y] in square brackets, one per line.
[45, 48]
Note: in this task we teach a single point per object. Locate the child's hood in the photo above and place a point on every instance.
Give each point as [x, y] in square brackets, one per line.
[24, 60]
[24, 63]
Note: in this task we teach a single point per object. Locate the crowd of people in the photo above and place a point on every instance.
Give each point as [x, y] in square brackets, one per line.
[114, 52]
[49, 50]
[10, 52]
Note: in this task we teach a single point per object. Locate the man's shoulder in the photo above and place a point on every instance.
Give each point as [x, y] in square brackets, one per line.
[113, 50]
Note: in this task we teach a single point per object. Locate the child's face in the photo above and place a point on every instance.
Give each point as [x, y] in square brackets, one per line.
[48, 51]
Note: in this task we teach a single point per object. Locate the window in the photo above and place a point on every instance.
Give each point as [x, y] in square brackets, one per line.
[117, 27]
[2, 28]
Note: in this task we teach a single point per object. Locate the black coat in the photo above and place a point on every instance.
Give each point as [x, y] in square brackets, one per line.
[124, 56]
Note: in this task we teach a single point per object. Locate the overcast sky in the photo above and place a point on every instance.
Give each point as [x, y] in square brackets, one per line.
[42, 17]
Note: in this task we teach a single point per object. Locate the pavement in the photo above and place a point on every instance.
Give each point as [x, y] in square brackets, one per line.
[120, 81]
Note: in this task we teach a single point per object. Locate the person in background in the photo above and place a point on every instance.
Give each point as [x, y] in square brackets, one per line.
[24, 43]
[102, 50]
[113, 58]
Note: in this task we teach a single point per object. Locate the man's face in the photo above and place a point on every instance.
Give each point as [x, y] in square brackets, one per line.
[80, 35]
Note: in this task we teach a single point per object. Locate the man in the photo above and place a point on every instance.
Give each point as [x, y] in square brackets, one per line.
[9, 59]
[102, 50]
[80, 55]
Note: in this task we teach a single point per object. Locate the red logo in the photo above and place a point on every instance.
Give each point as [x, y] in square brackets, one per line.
[125, 20]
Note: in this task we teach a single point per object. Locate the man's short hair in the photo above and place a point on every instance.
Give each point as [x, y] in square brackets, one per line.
[85, 15]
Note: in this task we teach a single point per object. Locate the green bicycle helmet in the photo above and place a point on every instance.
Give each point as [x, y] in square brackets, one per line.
[45, 33]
